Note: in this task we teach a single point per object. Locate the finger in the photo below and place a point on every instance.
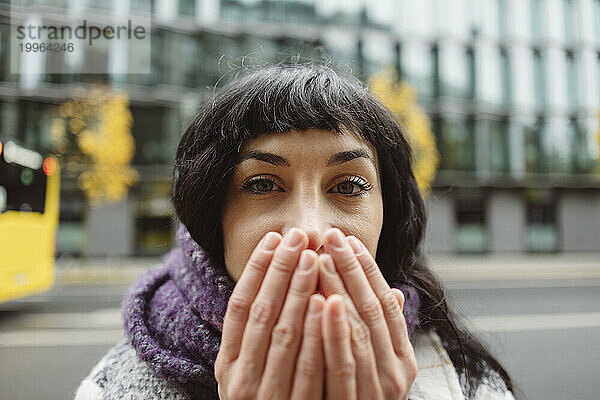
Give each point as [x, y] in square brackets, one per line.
[367, 377]
[339, 361]
[368, 383]
[243, 295]
[387, 296]
[265, 309]
[285, 339]
[331, 283]
[397, 324]
[308, 376]
[370, 268]
[366, 302]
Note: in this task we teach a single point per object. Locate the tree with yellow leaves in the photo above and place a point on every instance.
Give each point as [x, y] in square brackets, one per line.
[93, 138]
[401, 99]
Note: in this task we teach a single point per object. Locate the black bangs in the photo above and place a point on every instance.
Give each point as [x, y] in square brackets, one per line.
[289, 97]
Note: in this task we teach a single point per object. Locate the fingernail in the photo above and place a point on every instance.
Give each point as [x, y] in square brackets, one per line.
[329, 266]
[315, 306]
[306, 260]
[337, 238]
[270, 241]
[356, 246]
[293, 238]
[337, 309]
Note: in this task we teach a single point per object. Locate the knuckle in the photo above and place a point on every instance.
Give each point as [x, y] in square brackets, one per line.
[219, 370]
[237, 306]
[261, 313]
[284, 336]
[346, 266]
[281, 265]
[344, 371]
[371, 267]
[412, 369]
[395, 387]
[256, 264]
[390, 304]
[371, 311]
[361, 337]
[299, 289]
[239, 389]
[307, 368]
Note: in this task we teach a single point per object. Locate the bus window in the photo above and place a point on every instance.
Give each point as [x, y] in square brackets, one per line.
[21, 188]
[2, 199]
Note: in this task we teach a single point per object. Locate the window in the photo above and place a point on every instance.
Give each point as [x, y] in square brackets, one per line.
[457, 143]
[580, 160]
[22, 188]
[541, 230]
[419, 67]
[187, 7]
[470, 216]
[70, 236]
[151, 128]
[572, 81]
[505, 76]
[377, 51]
[457, 70]
[502, 10]
[184, 49]
[34, 124]
[154, 226]
[537, 158]
[597, 20]
[472, 72]
[539, 76]
[537, 19]
[341, 47]
[499, 146]
[569, 21]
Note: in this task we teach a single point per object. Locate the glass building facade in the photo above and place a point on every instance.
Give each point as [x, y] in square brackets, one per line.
[512, 88]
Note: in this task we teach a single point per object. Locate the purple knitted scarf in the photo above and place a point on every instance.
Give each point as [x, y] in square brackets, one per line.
[173, 316]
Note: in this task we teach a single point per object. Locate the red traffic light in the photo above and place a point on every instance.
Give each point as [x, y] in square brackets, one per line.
[49, 166]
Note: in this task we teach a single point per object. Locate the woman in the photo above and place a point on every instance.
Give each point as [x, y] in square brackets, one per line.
[298, 271]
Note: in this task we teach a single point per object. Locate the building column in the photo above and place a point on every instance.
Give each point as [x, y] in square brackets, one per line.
[439, 235]
[579, 220]
[110, 229]
[506, 221]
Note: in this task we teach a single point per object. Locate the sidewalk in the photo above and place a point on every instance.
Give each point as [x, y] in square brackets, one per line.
[516, 267]
[102, 270]
[448, 267]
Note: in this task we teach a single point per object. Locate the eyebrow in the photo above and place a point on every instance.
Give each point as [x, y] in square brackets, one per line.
[337, 158]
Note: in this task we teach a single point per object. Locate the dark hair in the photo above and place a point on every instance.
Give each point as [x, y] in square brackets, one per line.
[301, 96]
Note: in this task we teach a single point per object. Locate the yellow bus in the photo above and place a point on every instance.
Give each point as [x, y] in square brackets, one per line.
[29, 207]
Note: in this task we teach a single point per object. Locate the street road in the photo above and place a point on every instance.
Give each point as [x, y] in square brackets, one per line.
[546, 333]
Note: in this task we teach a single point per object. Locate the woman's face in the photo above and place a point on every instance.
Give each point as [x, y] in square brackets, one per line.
[313, 180]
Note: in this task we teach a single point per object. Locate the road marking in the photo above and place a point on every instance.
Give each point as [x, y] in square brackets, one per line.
[536, 322]
[60, 337]
[104, 319]
[104, 327]
[507, 284]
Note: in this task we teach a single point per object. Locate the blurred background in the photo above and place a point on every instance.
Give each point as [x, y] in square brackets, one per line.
[501, 100]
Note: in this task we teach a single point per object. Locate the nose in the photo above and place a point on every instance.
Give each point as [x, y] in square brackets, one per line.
[312, 217]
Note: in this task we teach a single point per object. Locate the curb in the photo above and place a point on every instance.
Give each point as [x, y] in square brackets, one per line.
[578, 266]
[102, 270]
[448, 268]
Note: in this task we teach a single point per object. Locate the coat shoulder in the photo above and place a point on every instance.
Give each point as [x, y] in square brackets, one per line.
[437, 377]
[121, 374]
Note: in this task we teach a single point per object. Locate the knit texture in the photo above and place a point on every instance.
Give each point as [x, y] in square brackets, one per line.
[173, 316]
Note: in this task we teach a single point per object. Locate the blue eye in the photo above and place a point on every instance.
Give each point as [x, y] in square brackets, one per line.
[263, 185]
